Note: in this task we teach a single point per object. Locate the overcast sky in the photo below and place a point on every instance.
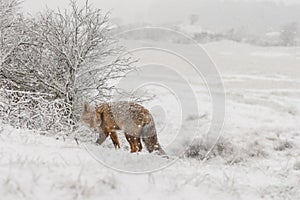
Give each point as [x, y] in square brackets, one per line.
[213, 14]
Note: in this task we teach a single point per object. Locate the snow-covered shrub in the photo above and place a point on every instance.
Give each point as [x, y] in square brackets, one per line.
[36, 111]
[282, 145]
[254, 149]
[297, 165]
[203, 149]
[231, 153]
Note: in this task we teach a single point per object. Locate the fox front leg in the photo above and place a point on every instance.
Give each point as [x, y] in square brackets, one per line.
[115, 139]
[102, 137]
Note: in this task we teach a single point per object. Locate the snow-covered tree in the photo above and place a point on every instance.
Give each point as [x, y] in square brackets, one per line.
[69, 54]
[10, 29]
[289, 34]
[194, 19]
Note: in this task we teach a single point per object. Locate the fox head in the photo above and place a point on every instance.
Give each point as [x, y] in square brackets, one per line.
[89, 117]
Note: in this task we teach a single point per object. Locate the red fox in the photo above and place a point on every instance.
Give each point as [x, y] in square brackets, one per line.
[133, 119]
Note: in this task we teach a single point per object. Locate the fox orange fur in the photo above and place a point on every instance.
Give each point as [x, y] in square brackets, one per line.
[133, 119]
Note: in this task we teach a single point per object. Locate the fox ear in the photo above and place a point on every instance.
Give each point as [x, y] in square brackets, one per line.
[86, 107]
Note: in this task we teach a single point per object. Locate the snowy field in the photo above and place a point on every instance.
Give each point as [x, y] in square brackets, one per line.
[257, 157]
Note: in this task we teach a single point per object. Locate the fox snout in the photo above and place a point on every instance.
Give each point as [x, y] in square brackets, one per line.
[95, 127]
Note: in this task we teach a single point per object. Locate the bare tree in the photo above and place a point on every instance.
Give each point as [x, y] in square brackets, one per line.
[69, 54]
[10, 36]
[194, 19]
[289, 34]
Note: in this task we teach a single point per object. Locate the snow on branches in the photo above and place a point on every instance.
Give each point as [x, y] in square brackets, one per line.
[36, 111]
[70, 55]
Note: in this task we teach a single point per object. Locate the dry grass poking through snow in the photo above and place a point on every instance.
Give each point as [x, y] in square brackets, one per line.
[231, 153]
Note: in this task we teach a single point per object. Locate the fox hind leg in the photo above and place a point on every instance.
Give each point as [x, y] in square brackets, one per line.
[151, 143]
[134, 142]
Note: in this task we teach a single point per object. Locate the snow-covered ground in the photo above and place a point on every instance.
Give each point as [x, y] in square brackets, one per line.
[258, 156]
